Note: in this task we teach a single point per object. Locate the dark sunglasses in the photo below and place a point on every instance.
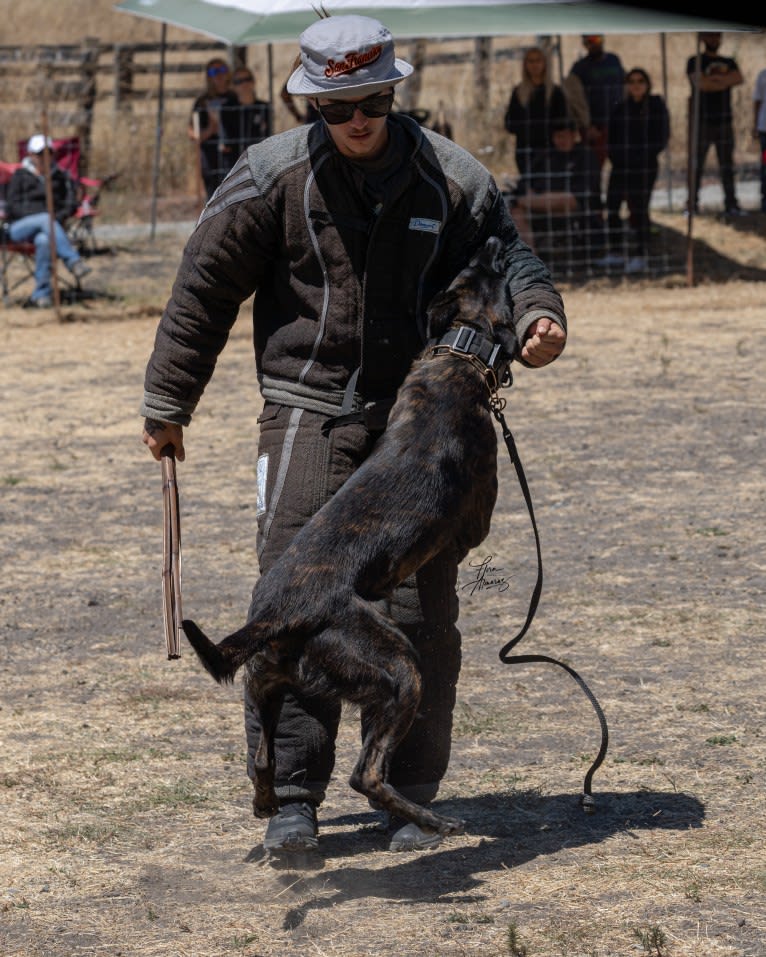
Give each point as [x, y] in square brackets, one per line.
[217, 70]
[243, 79]
[375, 106]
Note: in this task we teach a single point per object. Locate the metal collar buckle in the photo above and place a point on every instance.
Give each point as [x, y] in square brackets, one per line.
[463, 341]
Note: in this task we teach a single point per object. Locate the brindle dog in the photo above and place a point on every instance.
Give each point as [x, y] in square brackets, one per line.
[430, 484]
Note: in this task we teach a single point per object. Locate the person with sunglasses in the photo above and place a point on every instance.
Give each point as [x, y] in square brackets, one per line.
[344, 229]
[639, 130]
[207, 125]
[250, 121]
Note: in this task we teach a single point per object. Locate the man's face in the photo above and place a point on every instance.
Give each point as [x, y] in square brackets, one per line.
[219, 75]
[593, 43]
[362, 137]
[711, 40]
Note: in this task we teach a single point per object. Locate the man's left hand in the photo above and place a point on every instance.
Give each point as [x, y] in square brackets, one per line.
[544, 341]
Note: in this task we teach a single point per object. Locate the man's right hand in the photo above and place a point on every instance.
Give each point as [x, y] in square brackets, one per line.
[159, 434]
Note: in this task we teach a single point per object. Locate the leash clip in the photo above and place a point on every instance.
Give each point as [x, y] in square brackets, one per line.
[497, 404]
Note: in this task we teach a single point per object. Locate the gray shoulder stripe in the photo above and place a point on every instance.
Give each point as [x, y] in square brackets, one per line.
[230, 198]
[258, 169]
[237, 186]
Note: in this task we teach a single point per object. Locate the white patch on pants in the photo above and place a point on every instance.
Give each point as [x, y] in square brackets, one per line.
[261, 474]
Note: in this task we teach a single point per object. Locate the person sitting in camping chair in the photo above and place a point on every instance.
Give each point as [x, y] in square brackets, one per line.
[29, 219]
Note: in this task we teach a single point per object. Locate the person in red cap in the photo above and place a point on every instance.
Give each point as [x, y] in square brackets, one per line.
[344, 229]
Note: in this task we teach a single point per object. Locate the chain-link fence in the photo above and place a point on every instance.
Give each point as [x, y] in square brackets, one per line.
[106, 96]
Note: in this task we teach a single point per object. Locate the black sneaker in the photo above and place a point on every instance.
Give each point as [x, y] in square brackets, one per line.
[292, 829]
[407, 836]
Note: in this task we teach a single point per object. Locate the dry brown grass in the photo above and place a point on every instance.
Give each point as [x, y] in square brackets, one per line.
[126, 827]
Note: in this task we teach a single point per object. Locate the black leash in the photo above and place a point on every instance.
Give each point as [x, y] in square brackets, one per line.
[494, 364]
[497, 405]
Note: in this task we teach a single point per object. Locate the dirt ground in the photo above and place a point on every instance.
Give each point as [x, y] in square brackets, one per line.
[126, 826]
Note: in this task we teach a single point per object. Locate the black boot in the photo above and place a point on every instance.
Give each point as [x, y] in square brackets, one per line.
[292, 829]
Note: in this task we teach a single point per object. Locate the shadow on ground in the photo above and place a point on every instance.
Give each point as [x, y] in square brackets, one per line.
[742, 238]
[514, 829]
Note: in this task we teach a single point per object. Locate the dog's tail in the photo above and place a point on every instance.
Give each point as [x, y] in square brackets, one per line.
[223, 660]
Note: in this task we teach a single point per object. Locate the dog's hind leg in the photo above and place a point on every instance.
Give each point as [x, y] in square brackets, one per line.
[379, 671]
[371, 772]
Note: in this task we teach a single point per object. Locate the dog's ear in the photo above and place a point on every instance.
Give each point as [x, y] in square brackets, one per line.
[442, 312]
[494, 256]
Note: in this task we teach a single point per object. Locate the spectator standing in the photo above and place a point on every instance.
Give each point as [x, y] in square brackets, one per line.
[602, 76]
[718, 75]
[535, 104]
[564, 181]
[30, 220]
[639, 129]
[344, 229]
[759, 128]
[216, 157]
[250, 121]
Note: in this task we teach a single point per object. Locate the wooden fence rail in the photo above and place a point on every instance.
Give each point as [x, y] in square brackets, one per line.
[71, 79]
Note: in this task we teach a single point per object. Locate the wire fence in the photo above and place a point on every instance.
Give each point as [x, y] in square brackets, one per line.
[106, 96]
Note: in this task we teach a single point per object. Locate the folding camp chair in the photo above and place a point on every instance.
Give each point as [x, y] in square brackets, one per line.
[17, 260]
[67, 154]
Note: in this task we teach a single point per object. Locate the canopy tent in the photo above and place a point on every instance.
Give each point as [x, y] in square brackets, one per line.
[243, 22]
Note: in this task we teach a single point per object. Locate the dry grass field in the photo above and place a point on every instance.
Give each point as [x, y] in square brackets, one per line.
[125, 821]
[126, 826]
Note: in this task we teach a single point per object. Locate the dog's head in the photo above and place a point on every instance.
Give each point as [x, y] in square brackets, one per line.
[477, 297]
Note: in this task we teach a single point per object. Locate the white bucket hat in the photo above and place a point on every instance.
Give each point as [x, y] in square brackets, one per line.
[38, 142]
[346, 56]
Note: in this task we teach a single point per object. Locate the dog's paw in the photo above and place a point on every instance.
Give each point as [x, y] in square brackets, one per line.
[451, 826]
[264, 809]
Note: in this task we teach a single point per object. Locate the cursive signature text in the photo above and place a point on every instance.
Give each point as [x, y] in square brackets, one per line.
[486, 576]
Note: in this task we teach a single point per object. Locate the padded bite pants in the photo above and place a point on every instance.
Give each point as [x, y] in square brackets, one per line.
[299, 469]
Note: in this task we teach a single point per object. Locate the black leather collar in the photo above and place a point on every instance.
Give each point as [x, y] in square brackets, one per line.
[488, 356]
